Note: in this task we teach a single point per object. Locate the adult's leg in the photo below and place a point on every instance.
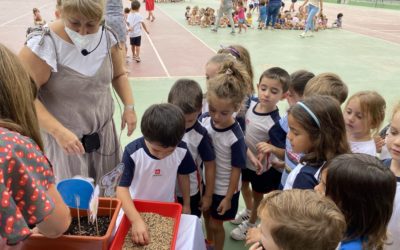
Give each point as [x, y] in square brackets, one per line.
[229, 14]
[274, 12]
[216, 24]
[312, 11]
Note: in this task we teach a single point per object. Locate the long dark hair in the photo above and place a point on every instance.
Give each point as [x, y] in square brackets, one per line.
[329, 138]
[364, 190]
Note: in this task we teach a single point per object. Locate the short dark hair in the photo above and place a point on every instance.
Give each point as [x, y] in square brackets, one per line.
[278, 74]
[127, 10]
[364, 189]
[187, 95]
[135, 5]
[164, 124]
[339, 15]
[299, 80]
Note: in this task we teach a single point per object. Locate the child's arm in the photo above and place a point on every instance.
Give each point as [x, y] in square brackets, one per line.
[264, 148]
[140, 233]
[255, 161]
[225, 204]
[210, 182]
[145, 28]
[184, 185]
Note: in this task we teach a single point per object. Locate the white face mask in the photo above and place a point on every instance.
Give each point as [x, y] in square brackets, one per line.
[80, 41]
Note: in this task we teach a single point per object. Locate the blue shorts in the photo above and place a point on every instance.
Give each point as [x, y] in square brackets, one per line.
[228, 215]
[241, 21]
[194, 204]
[264, 183]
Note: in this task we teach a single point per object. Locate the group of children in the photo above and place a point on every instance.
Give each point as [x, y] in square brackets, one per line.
[245, 18]
[204, 149]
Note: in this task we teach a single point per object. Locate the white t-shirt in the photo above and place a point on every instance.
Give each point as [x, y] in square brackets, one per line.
[257, 128]
[69, 55]
[230, 151]
[134, 21]
[394, 223]
[200, 146]
[365, 147]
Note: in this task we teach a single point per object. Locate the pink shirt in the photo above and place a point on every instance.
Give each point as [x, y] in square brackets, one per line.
[241, 13]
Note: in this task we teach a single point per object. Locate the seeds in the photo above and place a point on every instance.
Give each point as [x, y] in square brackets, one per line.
[160, 231]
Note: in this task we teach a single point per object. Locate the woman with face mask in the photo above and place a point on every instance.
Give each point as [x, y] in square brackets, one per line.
[73, 65]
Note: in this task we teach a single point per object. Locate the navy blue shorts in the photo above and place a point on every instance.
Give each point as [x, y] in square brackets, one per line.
[228, 215]
[264, 183]
[136, 41]
[194, 204]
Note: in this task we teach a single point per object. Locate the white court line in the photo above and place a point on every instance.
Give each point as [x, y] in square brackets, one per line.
[23, 15]
[158, 56]
[213, 50]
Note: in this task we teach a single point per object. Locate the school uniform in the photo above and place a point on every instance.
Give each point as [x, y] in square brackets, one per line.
[230, 151]
[258, 126]
[200, 146]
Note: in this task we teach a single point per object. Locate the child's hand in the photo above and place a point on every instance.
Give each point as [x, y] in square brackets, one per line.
[253, 235]
[257, 163]
[264, 147]
[379, 143]
[205, 203]
[256, 246]
[186, 209]
[140, 234]
[224, 206]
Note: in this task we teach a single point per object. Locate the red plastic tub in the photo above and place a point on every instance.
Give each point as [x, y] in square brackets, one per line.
[167, 209]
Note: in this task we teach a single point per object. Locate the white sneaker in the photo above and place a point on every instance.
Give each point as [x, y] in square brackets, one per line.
[241, 216]
[302, 35]
[240, 232]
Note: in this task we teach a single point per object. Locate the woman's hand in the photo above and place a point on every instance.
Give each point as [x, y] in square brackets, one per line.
[129, 118]
[140, 234]
[69, 142]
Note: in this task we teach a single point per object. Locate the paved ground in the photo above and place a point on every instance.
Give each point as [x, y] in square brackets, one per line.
[365, 53]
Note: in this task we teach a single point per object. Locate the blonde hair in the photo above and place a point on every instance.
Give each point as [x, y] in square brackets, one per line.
[327, 84]
[396, 109]
[243, 56]
[17, 94]
[241, 72]
[230, 82]
[304, 220]
[90, 9]
[372, 106]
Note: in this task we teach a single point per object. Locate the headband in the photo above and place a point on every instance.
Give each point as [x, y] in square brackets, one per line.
[310, 113]
[234, 52]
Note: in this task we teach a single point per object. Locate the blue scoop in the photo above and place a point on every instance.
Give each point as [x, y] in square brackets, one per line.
[72, 188]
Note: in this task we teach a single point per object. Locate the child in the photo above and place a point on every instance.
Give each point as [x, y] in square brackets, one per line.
[152, 164]
[188, 96]
[249, 20]
[225, 58]
[187, 13]
[317, 130]
[298, 219]
[241, 16]
[327, 84]
[364, 190]
[262, 17]
[135, 22]
[297, 85]
[37, 18]
[363, 115]
[225, 93]
[393, 146]
[338, 22]
[260, 117]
